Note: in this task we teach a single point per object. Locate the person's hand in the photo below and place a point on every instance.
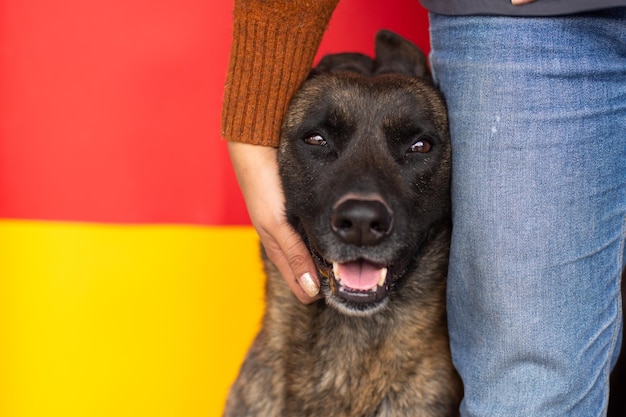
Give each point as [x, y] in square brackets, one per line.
[257, 173]
[521, 2]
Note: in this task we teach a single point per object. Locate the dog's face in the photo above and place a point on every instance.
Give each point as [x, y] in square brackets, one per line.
[365, 164]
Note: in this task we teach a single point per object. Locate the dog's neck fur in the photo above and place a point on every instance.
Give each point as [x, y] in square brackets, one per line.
[362, 343]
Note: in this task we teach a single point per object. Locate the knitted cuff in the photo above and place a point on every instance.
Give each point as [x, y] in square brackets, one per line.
[271, 55]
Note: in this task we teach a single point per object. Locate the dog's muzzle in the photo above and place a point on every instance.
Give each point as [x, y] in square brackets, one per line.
[359, 283]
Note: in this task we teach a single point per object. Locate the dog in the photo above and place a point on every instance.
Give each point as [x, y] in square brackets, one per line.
[364, 160]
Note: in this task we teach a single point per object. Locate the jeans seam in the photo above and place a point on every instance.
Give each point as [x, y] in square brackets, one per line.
[615, 336]
[619, 295]
[622, 245]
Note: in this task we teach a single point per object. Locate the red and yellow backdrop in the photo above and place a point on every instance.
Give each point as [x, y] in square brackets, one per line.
[129, 277]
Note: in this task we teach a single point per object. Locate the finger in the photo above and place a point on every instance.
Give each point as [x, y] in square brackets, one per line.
[301, 265]
[521, 2]
[295, 284]
[294, 263]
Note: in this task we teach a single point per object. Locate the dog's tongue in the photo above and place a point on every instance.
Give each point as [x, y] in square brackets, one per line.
[359, 275]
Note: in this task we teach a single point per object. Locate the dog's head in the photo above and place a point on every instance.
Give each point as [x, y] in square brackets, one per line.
[365, 164]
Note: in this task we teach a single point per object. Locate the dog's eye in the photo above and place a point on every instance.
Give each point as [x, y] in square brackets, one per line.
[421, 146]
[316, 140]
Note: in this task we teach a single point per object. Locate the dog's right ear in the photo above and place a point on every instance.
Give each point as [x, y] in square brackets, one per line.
[396, 55]
[345, 62]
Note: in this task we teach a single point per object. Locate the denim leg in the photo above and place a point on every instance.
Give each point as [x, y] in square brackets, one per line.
[538, 123]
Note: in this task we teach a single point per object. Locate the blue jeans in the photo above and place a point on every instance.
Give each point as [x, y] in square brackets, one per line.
[538, 123]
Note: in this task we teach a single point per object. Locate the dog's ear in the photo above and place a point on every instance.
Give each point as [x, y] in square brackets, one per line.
[394, 54]
[345, 62]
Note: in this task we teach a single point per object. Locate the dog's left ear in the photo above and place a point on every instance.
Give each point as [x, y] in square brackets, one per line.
[394, 54]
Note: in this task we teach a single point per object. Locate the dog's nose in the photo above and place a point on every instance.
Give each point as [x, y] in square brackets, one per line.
[361, 222]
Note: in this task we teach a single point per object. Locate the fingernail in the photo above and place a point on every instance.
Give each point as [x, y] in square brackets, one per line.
[309, 285]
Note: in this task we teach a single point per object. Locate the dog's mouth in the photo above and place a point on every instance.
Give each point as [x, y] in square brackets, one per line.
[359, 287]
[359, 281]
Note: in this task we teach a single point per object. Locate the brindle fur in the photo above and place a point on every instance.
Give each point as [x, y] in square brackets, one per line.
[313, 360]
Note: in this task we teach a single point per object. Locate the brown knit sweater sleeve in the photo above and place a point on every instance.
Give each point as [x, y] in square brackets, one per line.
[274, 44]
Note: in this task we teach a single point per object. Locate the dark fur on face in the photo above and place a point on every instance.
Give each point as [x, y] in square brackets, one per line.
[359, 137]
[365, 165]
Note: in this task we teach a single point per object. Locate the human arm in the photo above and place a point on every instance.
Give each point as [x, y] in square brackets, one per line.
[257, 174]
[274, 43]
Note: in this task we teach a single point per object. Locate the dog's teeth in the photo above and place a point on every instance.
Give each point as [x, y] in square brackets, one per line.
[383, 277]
[336, 271]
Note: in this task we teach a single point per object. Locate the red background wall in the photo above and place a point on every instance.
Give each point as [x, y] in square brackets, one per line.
[109, 110]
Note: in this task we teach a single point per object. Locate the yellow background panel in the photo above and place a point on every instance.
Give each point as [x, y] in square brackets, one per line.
[112, 320]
